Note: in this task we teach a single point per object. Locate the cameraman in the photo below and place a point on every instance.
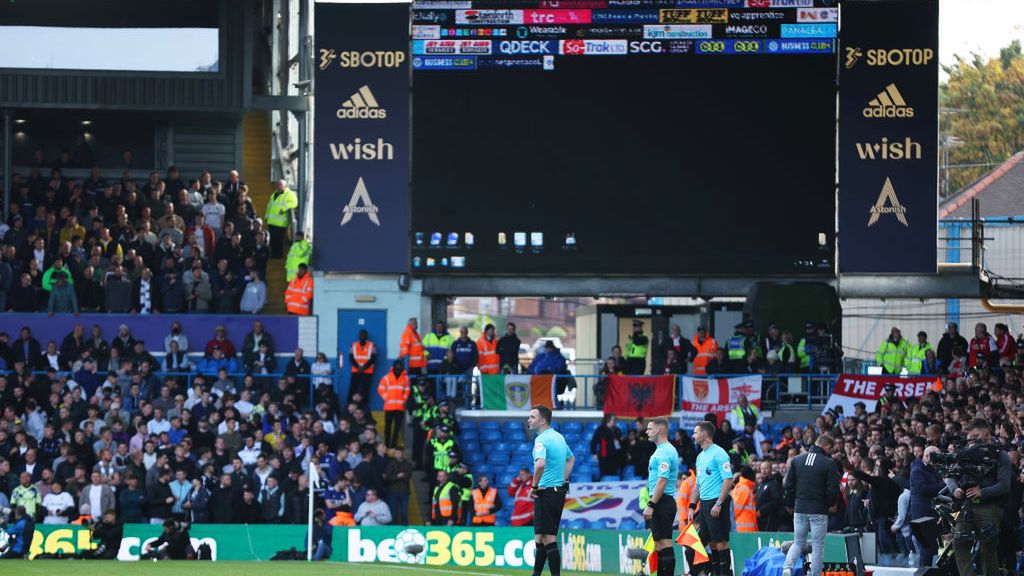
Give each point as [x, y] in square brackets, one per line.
[986, 511]
[173, 544]
[109, 532]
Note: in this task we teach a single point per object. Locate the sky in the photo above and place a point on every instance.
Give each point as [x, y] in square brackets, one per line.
[981, 26]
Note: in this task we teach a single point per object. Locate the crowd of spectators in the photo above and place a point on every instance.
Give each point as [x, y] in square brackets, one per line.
[171, 244]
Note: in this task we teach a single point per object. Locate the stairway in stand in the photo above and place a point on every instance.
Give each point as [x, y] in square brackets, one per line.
[256, 155]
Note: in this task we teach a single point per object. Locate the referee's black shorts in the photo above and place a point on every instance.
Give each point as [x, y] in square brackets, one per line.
[664, 517]
[547, 511]
[716, 529]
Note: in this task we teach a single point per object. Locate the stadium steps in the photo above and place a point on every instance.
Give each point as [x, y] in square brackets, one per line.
[256, 157]
[276, 285]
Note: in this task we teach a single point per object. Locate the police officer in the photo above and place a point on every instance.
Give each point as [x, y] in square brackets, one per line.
[553, 461]
[981, 521]
[660, 509]
[636, 350]
[436, 457]
[811, 488]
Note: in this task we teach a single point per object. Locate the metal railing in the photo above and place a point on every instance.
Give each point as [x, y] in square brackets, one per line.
[578, 392]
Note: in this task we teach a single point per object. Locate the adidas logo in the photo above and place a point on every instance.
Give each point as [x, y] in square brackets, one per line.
[888, 203]
[888, 104]
[362, 106]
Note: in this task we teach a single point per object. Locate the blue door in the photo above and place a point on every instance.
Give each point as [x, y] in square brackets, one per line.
[375, 322]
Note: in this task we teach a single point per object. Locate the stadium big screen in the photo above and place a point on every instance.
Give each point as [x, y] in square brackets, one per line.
[656, 137]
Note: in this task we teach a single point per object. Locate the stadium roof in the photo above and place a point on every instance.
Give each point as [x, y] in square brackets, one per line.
[1001, 192]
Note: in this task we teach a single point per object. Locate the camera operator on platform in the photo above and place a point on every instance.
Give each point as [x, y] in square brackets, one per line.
[985, 511]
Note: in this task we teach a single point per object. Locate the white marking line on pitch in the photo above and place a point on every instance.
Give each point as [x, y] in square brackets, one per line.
[425, 569]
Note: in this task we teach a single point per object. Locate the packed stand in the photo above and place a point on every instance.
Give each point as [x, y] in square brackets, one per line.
[170, 245]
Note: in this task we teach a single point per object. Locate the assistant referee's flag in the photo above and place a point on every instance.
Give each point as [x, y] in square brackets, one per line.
[652, 554]
[689, 538]
[517, 391]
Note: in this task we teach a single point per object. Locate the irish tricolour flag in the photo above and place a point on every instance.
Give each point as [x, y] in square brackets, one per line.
[516, 391]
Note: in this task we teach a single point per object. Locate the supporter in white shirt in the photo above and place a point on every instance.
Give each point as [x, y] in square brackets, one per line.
[214, 213]
[373, 512]
[250, 452]
[58, 504]
[158, 425]
[243, 405]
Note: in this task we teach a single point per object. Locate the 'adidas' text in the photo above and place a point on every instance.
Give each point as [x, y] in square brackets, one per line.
[888, 104]
[362, 106]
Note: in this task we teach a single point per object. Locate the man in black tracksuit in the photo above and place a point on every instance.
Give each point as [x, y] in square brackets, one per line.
[812, 488]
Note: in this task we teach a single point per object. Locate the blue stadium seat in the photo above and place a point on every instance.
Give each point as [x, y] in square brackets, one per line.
[523, 448]
[628, 524]
[497, 458]
[610, 478]
[500, 447]
[468, 425]
[469, 434]
[505, 479]
[483, 469]
[598, 524]
[510, 425]
[563, 524]
[490, 436]
[572, 439]
[517, 436]
[490, 425]
[628, 471]
[578, 524]
[572, 426]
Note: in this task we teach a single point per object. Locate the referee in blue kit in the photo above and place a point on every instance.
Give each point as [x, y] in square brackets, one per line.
[552, 464]
[714, 482]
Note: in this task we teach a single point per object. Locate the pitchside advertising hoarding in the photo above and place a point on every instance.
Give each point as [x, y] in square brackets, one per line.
[361, 138]
[888, 136]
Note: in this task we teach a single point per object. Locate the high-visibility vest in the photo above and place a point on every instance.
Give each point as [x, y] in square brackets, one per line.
[522, 503]
[394, 391]
[685, 496]
[278, 205]
[892, 356]
[744, 507]
[362, 354]
[299, 296]
[342, 519]
[737, 413]
[437, 347]
[705, 352]
[299, 253]
[786, 354]
[443, 500]
[736, 347]
[412, 346]
[488, 362]
[635, 350]
[645, 497]
[916, 357]
[483, 505]
[467, 493]
[441, 453]
[803, 354]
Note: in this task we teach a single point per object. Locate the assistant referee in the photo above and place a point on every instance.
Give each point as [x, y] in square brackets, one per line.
[714, 482]
[661, 484]
[552, 464]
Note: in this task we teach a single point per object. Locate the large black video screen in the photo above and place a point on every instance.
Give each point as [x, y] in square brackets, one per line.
[624, 137]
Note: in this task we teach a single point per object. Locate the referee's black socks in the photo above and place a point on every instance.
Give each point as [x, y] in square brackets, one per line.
[540, 555]
[725, 562]
[554, 559]
[666, 562]
[713, 563]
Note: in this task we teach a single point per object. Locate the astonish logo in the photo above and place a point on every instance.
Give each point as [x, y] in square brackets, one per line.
[360, 203]
[888, 203]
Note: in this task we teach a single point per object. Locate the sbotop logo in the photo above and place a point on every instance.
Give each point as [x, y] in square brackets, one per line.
[362, 106]
[888, 57]
[361, 59]
[888, 104]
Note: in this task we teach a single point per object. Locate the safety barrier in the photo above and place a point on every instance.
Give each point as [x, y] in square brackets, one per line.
[595, 551]
[778, 390]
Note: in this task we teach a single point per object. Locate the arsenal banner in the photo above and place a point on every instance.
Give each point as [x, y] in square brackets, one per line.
[718, 395]
[640, 396]
[853, 388]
